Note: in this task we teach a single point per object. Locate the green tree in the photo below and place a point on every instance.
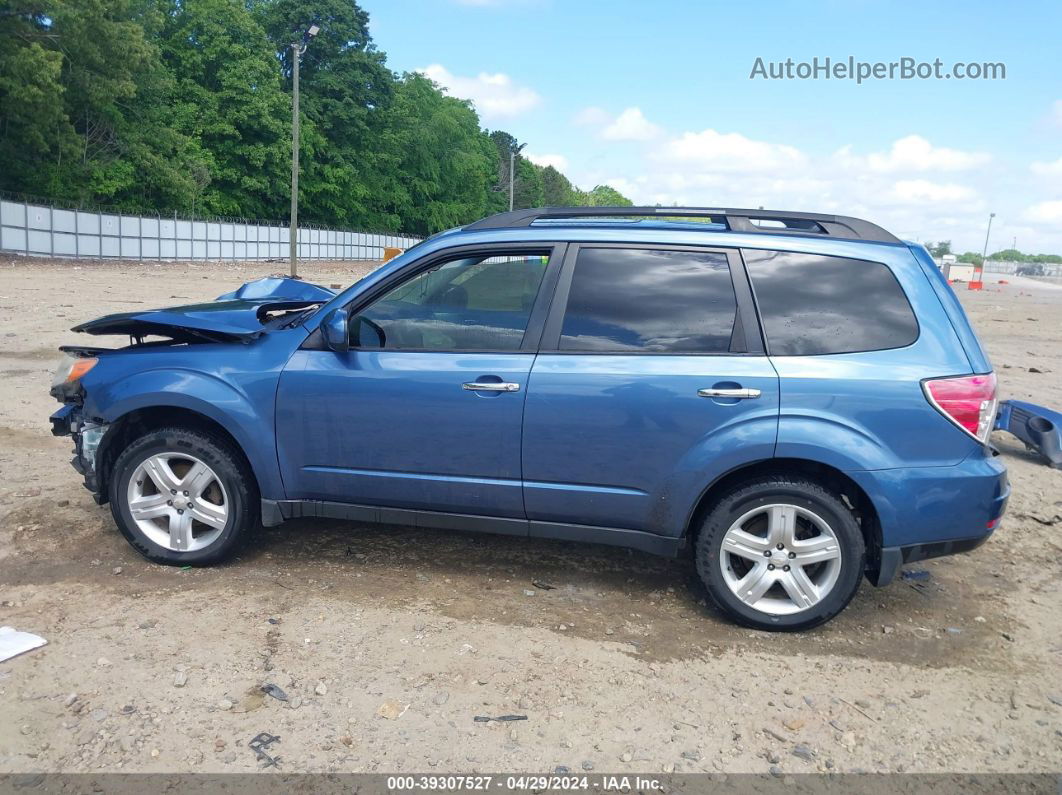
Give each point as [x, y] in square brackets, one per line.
[35, 132]
[182, 105]
[557, 191]
[101, 128]
[971, 257]
[1014, 255]
[345, 95]
[231, 104]
[529, 189]
[939, 249]
[504, 144]
[605, 196]
[444, 168]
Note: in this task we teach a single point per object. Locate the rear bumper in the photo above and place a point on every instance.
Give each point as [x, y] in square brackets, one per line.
[892, 558]
[929, 512]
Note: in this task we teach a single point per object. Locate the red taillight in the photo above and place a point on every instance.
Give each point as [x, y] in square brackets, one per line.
[967, 400]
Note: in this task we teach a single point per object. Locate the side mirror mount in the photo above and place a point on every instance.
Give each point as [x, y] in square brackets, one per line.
[336, 331]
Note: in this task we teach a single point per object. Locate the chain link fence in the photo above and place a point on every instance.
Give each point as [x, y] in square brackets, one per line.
[1024, 268]
[46, 229]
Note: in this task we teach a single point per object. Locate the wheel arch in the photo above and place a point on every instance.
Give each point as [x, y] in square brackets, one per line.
[139, 421]
[830, 477]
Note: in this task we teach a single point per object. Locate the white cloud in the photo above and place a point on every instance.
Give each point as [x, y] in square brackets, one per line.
[922, 191]
[729, 152]
[623, 185]
[1054, 118]
[491, 3]
[1049, 212]
[495, 96]
[592, 116]
[913, 153]
[559, 162]
[630, 125]
[917, 190]
[1044, 169]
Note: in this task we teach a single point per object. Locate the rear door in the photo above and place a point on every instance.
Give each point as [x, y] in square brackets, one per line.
[651, 380]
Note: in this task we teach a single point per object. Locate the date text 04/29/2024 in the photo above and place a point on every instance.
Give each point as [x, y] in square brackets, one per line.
[537, 783]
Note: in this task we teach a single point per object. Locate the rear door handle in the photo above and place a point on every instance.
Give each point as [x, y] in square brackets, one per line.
[738, 394]
[490, 386]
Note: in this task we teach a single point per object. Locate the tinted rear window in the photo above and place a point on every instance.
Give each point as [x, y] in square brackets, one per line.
[650, 301]
[813, 304]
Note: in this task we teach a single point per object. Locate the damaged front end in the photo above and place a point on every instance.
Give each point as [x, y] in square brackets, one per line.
[242, 316]
[87, 435]
[70, 420]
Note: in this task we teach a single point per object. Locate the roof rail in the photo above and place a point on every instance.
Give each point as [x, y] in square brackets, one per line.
[840, 226]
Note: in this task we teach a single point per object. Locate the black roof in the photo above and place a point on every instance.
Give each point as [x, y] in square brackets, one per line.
[779, 222]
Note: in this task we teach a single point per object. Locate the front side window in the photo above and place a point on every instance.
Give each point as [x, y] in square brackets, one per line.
[813, 304]
[649, 301]
[474, 303]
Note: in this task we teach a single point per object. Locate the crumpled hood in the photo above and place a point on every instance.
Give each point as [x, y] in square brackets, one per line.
[238, 315]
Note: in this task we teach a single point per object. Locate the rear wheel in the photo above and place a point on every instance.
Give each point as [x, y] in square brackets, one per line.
[183, 497]
[780, 553]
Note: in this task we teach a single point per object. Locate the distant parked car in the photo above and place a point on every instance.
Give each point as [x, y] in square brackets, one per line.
[796, 399]
[1031, 269]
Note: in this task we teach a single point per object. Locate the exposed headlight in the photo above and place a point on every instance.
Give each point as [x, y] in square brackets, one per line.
[72, 368]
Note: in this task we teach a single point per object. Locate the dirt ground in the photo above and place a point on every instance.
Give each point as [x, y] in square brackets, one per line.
[388, 641]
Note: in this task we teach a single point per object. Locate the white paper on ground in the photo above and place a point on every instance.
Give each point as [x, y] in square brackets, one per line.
[13, 642]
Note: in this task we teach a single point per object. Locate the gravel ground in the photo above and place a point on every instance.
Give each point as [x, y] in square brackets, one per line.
[388, 641]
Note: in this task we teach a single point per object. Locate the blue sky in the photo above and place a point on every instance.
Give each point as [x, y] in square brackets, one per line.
[656, 99]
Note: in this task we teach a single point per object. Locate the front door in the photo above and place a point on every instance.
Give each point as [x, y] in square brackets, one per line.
[424, 411]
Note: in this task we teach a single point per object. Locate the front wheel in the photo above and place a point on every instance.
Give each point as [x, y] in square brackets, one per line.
[781, 553]
[183, 497]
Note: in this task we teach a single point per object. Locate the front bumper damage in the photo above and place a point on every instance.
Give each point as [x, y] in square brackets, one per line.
[87, 435]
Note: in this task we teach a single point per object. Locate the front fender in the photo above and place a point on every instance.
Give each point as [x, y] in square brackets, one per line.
[248, 421]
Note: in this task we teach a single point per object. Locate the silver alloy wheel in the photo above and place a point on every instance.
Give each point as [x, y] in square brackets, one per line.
[178, 502]
[780, 559]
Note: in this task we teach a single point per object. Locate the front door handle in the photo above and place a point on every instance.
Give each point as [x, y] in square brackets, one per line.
[491, 386]
[737, 394]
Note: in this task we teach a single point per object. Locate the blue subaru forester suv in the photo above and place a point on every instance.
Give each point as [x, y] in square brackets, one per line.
[796, 399]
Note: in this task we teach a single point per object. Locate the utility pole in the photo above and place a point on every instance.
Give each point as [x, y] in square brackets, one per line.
[513, 152]
[297, 49]
[979, 272]
[512, 177]
[984, 251]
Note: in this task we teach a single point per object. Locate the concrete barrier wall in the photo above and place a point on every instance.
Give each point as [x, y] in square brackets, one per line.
[42, 230]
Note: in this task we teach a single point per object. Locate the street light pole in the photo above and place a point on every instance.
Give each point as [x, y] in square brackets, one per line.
[512, 175]
[513, 152]
[984, 252]
[294, 230]
[297, 49]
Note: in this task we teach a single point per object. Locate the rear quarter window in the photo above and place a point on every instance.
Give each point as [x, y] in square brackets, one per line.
[814, 304]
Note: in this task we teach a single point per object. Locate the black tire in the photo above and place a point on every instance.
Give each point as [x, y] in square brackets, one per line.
[781, 489]
[241, 492]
